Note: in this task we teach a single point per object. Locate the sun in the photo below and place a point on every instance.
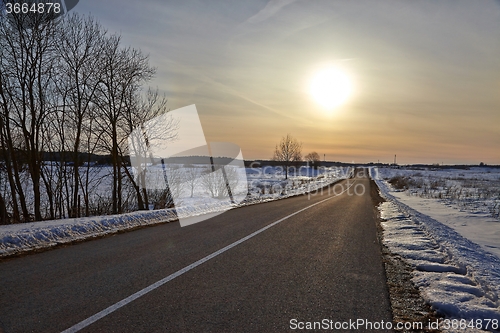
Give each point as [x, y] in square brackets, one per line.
[331, 87]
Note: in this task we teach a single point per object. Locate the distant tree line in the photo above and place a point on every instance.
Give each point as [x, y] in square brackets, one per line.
[70, 88]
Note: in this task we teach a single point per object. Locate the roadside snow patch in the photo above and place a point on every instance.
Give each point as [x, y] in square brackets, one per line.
[456, 276]
[23, 237]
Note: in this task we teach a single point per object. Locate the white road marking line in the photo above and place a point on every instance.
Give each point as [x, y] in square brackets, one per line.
[90, 320]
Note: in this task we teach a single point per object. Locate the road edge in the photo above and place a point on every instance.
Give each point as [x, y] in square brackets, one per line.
[109, 233]
[407, 304]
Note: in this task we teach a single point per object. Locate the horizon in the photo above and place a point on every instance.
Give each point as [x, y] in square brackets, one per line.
[424, 75]
[247, 160]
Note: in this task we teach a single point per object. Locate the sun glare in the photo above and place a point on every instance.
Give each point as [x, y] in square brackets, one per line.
[331, 87]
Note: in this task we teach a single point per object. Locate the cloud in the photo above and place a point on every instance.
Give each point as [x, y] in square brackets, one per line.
[270, 10]
[201, 75]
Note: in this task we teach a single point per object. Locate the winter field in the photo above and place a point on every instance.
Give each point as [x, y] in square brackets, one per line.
[445, 224]
[192, 199]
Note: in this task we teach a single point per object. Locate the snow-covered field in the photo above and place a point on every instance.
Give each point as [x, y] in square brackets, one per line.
[264, 184]
[444, 224]
[475, 190]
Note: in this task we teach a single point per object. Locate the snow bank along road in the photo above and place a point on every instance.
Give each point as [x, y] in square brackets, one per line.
[319, 258]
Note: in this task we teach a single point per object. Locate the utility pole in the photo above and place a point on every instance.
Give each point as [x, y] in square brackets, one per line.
[394, 159]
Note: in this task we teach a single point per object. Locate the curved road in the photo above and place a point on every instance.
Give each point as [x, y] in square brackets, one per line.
[323, 262]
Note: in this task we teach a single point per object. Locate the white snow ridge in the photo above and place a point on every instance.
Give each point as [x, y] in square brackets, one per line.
[457, 277]
[25, 237]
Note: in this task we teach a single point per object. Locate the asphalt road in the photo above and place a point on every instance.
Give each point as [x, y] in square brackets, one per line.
[321, 263]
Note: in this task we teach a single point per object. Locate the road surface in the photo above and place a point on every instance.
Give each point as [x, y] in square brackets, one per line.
[316, 262]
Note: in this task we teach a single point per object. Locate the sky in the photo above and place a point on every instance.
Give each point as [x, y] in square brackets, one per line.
[425, 74]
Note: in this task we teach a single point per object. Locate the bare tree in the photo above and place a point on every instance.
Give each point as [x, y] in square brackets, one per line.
[80, 46]
[3, 204]
[147, 112]
[288, 152]
[313, 159]
[219, 182]
[191, 176]
[123, 72]
[176, 182]
[67, 90]
[29, 69]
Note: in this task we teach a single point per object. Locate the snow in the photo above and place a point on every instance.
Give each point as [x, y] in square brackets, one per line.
[474, 190]
[474, 219]
[480, 228]
[454, 252]
[446, 228]
[19, 238]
